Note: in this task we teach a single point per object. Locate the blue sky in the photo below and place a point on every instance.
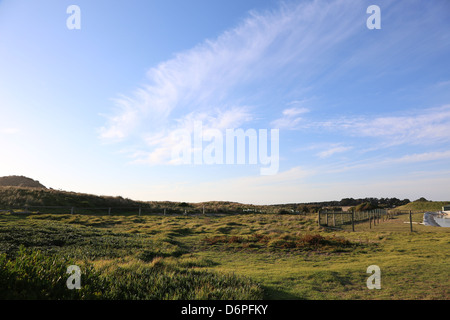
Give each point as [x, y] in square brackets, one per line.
[360, 112]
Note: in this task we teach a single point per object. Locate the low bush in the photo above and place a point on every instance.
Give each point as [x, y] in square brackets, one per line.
[274, 242]
[32, 275]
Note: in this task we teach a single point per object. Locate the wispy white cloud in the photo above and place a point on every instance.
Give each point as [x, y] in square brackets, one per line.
[198, 82]
[420, 157]
[426, 126]
[443, 83]
[290, 118]
[378, 162]
[163, 143]
[333, 150]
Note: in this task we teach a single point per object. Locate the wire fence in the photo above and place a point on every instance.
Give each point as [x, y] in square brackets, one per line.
[373, 217]
[329, 219]
[339, 218]
[101, 211]
[119, 211]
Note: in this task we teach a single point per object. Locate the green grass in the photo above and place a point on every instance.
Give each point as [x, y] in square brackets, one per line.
[424, 206]
[254, 256]
[31, 274]
[42, 199]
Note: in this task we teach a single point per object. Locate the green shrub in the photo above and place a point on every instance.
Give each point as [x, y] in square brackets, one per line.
[162, 282]
[33, 275]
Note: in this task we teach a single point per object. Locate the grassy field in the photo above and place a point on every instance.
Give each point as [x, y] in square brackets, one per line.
[424, 206]
[254, 256]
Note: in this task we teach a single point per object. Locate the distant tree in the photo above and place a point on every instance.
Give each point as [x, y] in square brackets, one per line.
[422, 199]
[303, 208]
[348, 202]
[366, 206]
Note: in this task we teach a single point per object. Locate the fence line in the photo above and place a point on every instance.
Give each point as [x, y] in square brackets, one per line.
[325, 218]
[142, 210]
[374, 217]
[340, 218]
[87, 210]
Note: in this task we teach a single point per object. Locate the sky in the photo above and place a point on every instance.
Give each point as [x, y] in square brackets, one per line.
[136, 98]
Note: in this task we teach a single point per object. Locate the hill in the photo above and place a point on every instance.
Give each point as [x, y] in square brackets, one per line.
[20, 181]
[31, 193]
[21, 196]
[424, 205]
[18, 197]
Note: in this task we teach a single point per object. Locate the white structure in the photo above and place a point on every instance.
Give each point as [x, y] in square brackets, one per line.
[446, 209]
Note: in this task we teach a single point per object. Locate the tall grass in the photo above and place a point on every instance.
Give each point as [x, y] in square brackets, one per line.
[34, 275]
[35, 254]
[424, 206]
[248, 256]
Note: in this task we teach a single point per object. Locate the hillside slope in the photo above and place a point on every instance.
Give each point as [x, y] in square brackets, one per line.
[20, 181]
[424, 206]
[19, 196]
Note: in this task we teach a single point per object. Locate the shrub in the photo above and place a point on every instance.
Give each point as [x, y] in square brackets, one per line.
[141, 282]
[301, 242]
[33, 275]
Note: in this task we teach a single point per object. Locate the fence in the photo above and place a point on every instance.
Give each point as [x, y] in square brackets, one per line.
[336, 219]
[119, 211]
[373, 217]
[94, 210]
[410, 212]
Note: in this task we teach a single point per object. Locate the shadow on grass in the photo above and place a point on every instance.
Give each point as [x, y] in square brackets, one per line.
[277, 294]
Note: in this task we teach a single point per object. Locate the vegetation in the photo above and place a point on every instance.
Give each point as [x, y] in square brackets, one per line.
[248, 256]
[234, 251]
[424, 205]
[20, 181]
[287, 243]
[18, 197]
[366, 206]
[36, 251]
[33, 275]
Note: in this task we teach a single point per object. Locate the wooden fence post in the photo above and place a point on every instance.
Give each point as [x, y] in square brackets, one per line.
[109, 211]
[353, 220]
[140, 211]
[410, 220]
